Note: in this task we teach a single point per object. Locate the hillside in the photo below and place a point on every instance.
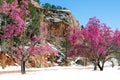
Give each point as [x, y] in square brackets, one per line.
[58, 21]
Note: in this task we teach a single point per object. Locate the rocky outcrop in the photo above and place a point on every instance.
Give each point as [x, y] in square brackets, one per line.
[6, 60]
[64, 16]
[36, 4]
[58, 21]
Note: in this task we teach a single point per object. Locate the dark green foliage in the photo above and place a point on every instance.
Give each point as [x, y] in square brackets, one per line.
[36, 16]
[47, 5]
[64, 46]
[59, 7]
[1, 1]
[82, 26]
[52, 6]
[64, 8]
[79, 62]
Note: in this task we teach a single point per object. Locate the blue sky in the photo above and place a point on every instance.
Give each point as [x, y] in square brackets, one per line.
[108, 11]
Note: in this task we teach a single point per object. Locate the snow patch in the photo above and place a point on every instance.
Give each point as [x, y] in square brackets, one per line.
[64, 73]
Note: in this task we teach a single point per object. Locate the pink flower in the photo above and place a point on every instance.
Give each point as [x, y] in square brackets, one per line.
[16, 13]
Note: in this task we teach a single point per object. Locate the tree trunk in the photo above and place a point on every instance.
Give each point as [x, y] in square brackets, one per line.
[23, 67]
[101, 67]
[95, 66]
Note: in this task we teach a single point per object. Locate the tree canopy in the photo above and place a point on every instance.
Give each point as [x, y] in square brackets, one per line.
[95, 42]
[52, 6]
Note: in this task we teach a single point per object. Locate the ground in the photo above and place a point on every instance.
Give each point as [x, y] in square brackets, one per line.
[61, 73]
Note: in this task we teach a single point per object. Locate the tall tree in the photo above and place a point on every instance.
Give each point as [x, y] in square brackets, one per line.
[92, 42]
[22, 30]
[13, 30]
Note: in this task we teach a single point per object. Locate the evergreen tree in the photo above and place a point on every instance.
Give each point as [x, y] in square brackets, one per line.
[52, 6]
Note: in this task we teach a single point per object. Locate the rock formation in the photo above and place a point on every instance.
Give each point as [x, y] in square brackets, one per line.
[58, 21]
[7, 60]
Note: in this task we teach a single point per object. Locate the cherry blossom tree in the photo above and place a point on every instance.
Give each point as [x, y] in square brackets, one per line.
[92, 42]
[13, 30]
[16, 20]
[116, 44]
[19, 33]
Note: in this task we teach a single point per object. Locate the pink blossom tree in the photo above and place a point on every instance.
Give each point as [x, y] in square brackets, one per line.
[16, 18]
[116, 45]
[16, 31]
[92, 42]
[13, 30]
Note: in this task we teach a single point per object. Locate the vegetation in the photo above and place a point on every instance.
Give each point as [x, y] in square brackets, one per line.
[20, 28]
[23, 33]
[51, 6]
[95, 42]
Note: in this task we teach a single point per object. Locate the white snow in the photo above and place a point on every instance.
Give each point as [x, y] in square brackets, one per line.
[63, 73]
